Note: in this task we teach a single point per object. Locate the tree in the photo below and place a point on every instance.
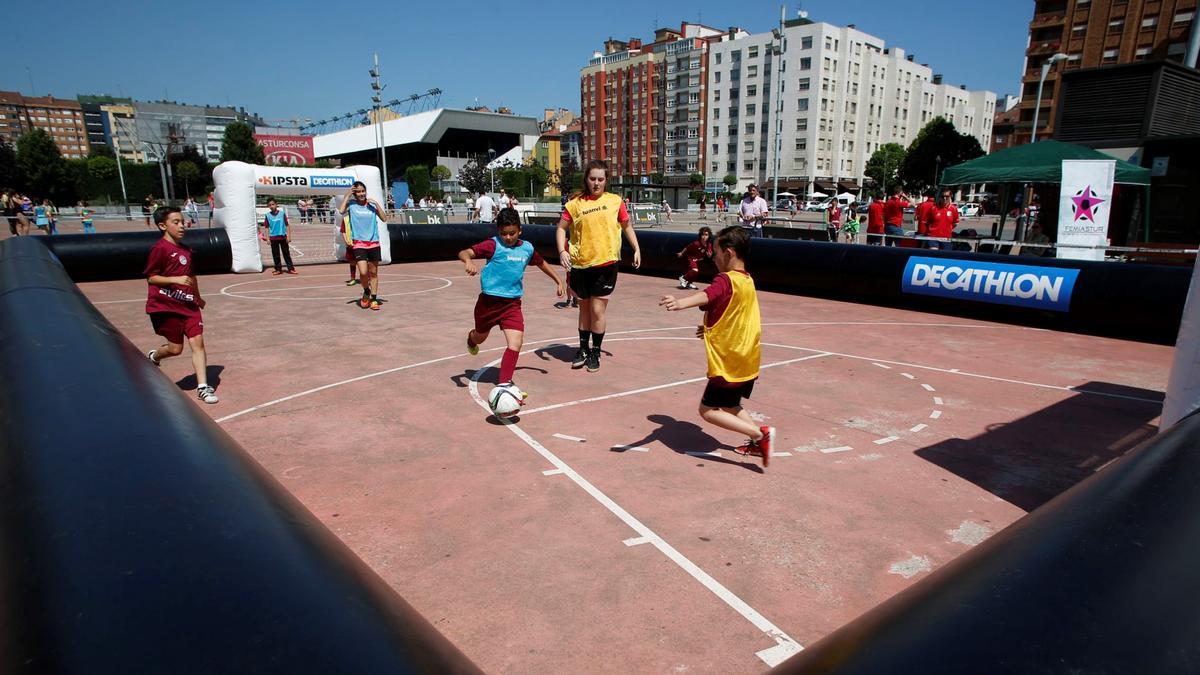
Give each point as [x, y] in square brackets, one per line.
[417, 177]
[937, 146]
[41, 168]
[440, 172]
[657, 178]
[729, 181]
[568, 178]
[696, 180]
[101, 167]
[9, 176]
[475, 176]
[239, 145]
[102, 150]
[884, 165]
[188, 172]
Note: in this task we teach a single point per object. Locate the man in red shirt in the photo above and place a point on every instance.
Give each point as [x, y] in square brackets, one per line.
[875, 221]
[940, 221]
[922, 211]
[893, 216]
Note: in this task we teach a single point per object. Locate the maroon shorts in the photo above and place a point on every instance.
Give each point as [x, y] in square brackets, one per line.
[491, 311]
[174, 327]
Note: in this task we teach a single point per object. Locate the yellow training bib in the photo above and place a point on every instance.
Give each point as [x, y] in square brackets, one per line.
[733, 342]
[595, 232]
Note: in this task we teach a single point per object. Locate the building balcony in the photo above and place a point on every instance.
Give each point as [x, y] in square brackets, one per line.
[1048, 19]
[1044, 48]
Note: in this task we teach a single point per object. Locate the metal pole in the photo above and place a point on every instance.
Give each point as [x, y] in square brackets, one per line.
[1193, 48]
[1037, 105]
[778, 101]
[121, 177]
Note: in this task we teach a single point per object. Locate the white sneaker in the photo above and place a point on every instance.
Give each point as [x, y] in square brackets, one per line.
[692, 286]
[683, 283]
[207, 394]
[150, 355]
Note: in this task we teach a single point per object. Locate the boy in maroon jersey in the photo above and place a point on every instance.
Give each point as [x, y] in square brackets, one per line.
[173, 300]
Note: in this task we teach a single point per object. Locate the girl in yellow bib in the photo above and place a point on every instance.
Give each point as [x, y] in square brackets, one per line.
[590, 254]
[732, 332]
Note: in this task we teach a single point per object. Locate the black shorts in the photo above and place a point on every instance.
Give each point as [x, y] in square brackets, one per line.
[594, 282]
[718, 396]
[368, 254]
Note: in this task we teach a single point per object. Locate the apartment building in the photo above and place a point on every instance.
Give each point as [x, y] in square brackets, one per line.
[1092, 33]
[843, 93]
[61, 118]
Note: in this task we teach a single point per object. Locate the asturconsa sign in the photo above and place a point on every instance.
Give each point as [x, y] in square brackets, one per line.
[287, 150]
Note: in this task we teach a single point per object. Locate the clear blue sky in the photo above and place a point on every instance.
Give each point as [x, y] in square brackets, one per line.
[310, 58]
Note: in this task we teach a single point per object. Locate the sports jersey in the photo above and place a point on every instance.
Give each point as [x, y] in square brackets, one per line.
[168, 259]
[694, 252]
[732, 328]
[922, 212]
[595, 229]
[940, 220]
[893, 211]
[364, 224]
[504, 274]
[276, 223]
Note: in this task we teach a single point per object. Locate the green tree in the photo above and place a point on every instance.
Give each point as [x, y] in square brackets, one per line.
[568, 178]
[696, 180]
[101, 167]
[188, 172]
[475, 176]
[937, 146]
[9, 175]
[884, 165]
[729, 181]
[101, 151]
[440, 172]
[417, 177]
[657, 178]
[239, 145]
[41, 168]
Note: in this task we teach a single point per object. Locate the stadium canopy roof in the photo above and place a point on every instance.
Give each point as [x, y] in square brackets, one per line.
[427, 127]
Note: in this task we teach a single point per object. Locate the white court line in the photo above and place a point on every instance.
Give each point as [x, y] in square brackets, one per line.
[635, 448]
[935, 414]
[711, 453]
[884, 441]
[919, 427]
[926, 387]
[784, 647]
[636, 541]
[677, 383]
[551, 472]
[244, 295]
[570, 438]
[780, 454]
[937, 400]
[909, 376]
[881, 365]
[840, 448]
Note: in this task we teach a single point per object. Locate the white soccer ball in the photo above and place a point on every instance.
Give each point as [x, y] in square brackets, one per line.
[505, 400]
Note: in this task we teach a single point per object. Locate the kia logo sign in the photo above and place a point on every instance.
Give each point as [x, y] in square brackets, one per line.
[286, 157]
[287, 150]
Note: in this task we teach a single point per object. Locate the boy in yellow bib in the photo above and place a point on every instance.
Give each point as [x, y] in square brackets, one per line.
[732, 332]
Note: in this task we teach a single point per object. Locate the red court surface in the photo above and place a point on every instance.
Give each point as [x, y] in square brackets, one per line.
[610, 529]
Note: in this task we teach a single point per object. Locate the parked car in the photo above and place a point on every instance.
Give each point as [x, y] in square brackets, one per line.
[968, 210]
[813, 205]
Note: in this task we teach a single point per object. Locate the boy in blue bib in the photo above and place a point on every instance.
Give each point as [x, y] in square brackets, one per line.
[280, 232]
[502, 283]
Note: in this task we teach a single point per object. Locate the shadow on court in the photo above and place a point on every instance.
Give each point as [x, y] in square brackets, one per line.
[1031, 460]
[188, 382]
[490, 376]
[687, 438]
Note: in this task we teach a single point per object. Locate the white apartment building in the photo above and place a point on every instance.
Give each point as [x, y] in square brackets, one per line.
[844, 94]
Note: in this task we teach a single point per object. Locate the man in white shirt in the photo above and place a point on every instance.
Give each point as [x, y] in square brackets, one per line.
[753, 211]
[485, 208]
[470, 207]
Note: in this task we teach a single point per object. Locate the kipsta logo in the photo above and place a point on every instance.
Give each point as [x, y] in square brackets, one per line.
[300, 181]
[1084, 204]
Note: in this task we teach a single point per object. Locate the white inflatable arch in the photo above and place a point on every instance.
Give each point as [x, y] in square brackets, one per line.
[237, 183]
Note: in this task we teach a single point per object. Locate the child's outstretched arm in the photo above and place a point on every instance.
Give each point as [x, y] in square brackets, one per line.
[545, 267]
[467, 256]
[674, 304]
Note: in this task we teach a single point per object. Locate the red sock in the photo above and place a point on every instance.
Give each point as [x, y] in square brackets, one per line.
[508, 363]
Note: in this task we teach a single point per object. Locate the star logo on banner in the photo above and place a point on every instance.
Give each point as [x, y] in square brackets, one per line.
[1084, 204]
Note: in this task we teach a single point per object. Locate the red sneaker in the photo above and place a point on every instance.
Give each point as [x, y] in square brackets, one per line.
[292, 271]
[749, 449]
[766, 443]
[364, 303]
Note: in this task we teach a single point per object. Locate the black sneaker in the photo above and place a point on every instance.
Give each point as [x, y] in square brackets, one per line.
[593, 360]
[581, 358]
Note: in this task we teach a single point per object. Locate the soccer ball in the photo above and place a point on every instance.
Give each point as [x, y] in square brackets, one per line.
[505, 400]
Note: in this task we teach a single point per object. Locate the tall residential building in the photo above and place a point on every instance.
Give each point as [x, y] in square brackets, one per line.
[643, 105]
[215, 121]
[120, 131]
[93, 116]
[61, 118]
[844, 94]
[1095, 33]
[548, 152]
[571, 143]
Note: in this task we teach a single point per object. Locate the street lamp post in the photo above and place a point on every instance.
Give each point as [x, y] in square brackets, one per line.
[778, 98]
[937, 165]
[377, 102]
[1037, 105]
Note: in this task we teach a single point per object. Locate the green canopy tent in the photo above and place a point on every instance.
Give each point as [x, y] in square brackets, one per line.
[1040, 162]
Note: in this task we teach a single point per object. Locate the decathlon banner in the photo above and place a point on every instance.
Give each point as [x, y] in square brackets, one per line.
[1001, 283]
[1083, 208]
[293, 150]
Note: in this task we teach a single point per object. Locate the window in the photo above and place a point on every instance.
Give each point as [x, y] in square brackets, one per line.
[1116, 25]
[828, 42]
[1149, 23]
[806, 43]
[717, 95]
[715, 148]
[1141, 54]
[749, 127]
[751, 109]
[751, 71]
[802, 124]
[716, 166]
[717, 77]
[752, 52]
[718, 58]
[1078, 30]
[545, 145]
[801, 143]
[1110, 55]
[806, 63]
[801, 104]
[1074, 59]
[716, 132]
[1184, 17]
[803, 84]
[748, 166]
[752, 90]
[716, 113]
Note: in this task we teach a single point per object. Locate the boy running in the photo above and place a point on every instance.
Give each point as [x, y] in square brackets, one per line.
[173, 301]
[362, 235]
[502, 283]
[732, 331]
[693, 253]
[280, 232]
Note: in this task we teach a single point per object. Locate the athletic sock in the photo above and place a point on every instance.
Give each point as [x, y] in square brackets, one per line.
[584, 336]
[373, 297]
[508, 364]
[597, 338]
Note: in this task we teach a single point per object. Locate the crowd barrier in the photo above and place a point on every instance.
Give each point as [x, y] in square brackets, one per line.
[136, 536]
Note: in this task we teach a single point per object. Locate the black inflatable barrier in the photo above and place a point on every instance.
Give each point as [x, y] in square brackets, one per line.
[1132, 301]
[1102, 579]
[137, 537]
[122, 255]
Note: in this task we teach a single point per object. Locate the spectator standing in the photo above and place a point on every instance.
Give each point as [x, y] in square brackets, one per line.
[753, 211]
[893, 215]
